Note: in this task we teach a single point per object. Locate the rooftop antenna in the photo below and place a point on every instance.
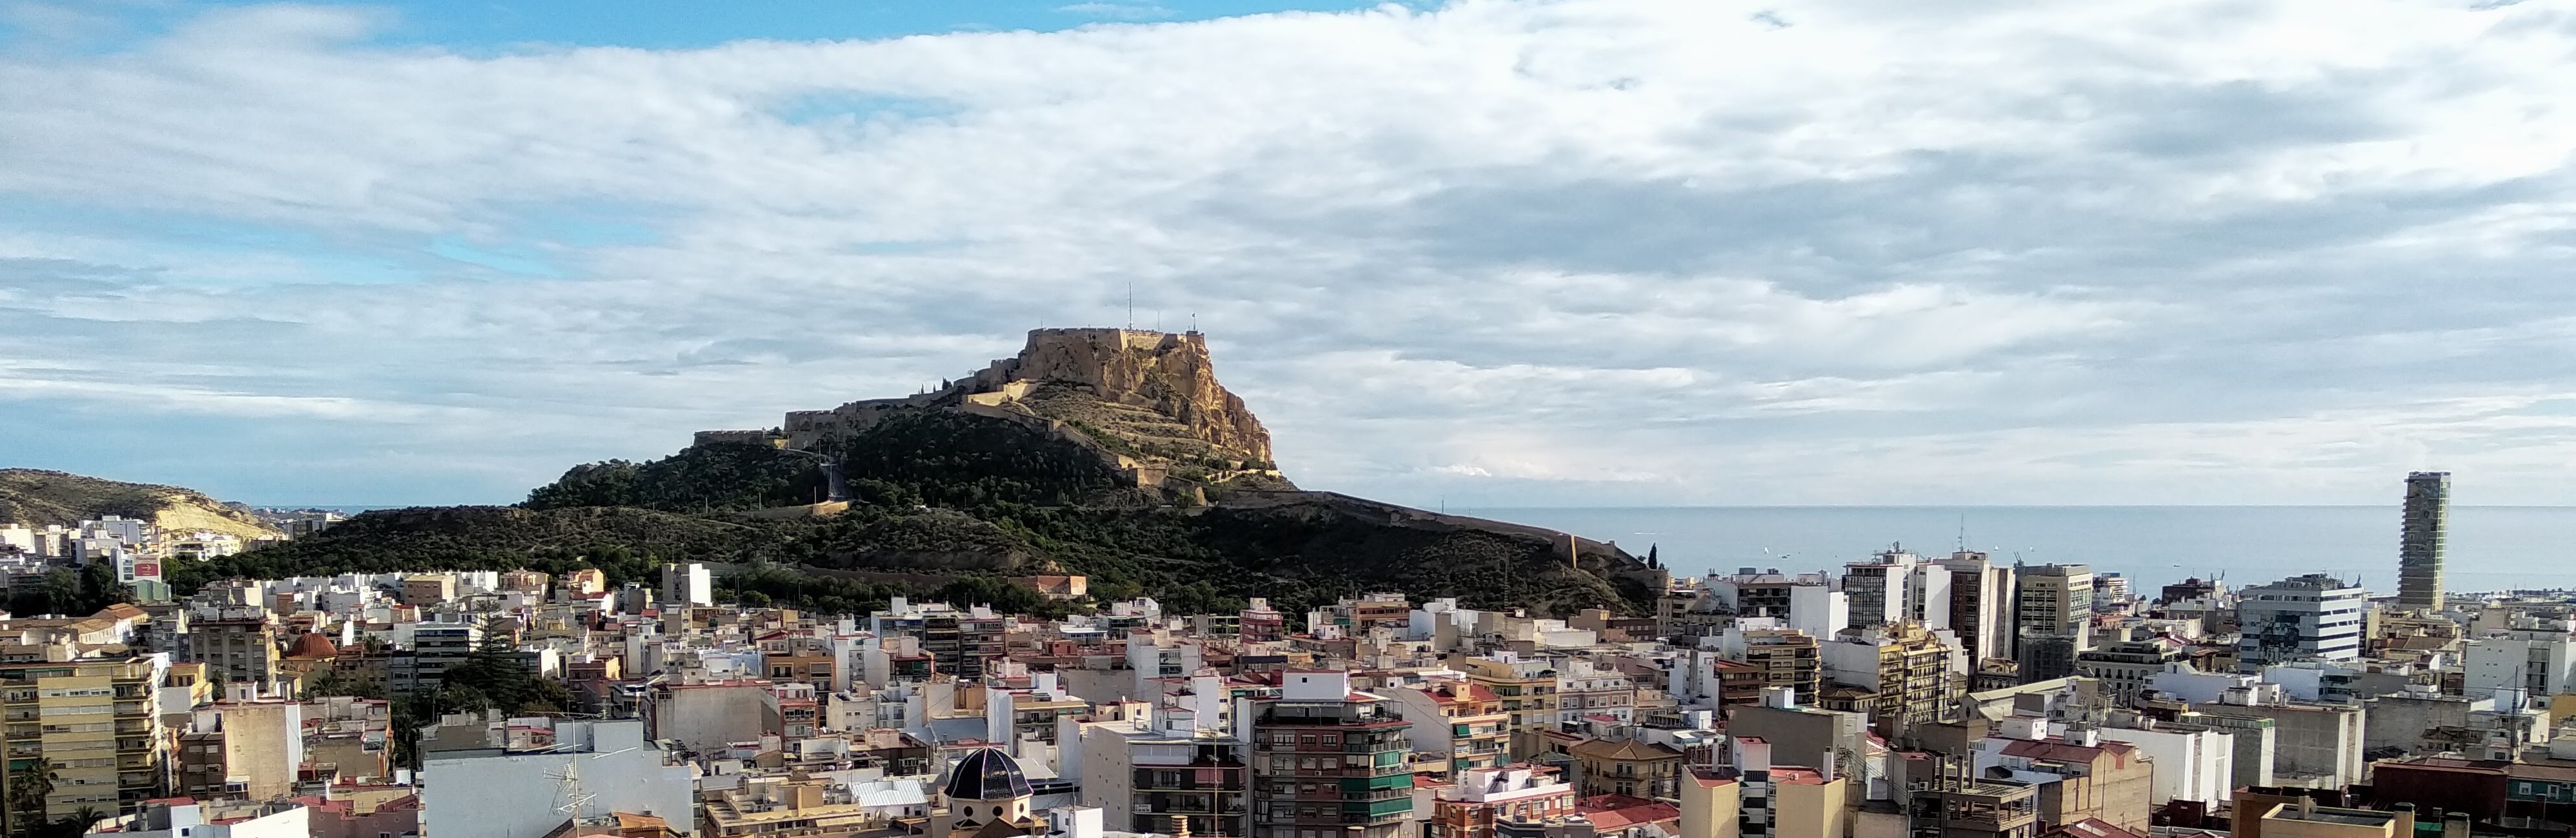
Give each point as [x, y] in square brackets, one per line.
[1194, 321]
[569, 792]
[1963, 532]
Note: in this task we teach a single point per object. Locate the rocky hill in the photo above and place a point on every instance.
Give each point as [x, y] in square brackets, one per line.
[1110, 453]
[37, 498]
[1156, 392]
[1147, 404]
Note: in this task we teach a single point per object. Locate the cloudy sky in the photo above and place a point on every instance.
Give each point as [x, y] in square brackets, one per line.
[1591, 252]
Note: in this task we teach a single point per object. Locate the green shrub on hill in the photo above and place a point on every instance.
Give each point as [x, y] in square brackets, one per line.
[721, 477]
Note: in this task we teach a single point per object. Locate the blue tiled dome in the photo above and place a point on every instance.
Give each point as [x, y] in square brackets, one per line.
[986, 774]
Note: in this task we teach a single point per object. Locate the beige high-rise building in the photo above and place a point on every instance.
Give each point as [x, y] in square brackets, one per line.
[1527, 691]
[1785, 658]
[1899, 674]
[92, 718]
[237, 643]
[1981, 604]
[2419, 547]
[263, 745]
[2053, 619]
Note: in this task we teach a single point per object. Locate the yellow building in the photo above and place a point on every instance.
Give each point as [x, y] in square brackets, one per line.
[1806, 805]
[1712, 804]
[91, 718]
[1527, 691]
[2305, 819]
[1898, 674]
[1631, 767]
[1784, 658]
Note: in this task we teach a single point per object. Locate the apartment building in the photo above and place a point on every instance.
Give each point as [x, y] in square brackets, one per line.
[1527, 690]
[2054, 620]
[2311, 617]
[1483, 797]
[1583, 689]
[2079, 775]
[1631, 767]
[1981, 604]
[434, 648]
[1457, 723]
[237, 643]
[92, 716]
[1151, 774]
[1786, 658]
[1900, 674]
[1329, 760]
[2126, 665]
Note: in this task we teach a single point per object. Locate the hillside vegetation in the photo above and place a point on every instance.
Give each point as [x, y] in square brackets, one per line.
[37, 498]
[953, 495]
[1038, 474]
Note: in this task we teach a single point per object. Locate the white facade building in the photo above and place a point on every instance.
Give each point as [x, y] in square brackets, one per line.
[2312, 617]
[1817, 611]
[2190, 765]
[688, 584]
[2538, 664]
[497, 794]
[1880, 589]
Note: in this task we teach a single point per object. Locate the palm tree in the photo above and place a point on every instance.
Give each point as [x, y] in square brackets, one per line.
[84, 818]
[26, 792]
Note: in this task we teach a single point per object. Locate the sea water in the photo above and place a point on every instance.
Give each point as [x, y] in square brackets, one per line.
[2489, 548]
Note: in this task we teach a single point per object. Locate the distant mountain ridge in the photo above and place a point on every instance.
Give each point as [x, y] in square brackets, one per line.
[37, 498]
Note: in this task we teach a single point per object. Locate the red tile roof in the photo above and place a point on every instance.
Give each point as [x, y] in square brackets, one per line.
[1620, 818]
[2060, 750]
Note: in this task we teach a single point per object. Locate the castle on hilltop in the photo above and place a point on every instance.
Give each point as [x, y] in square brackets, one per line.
[1153, 393]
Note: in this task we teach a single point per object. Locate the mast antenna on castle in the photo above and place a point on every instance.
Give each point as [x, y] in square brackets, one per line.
[1131, 305]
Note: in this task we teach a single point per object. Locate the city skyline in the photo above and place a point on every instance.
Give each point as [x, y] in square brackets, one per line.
[2194, 253]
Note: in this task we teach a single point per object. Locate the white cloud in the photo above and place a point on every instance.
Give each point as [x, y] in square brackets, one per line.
[1577, 251]
[1117, 11]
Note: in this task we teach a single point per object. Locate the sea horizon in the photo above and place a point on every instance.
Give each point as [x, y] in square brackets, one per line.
[2490, 548]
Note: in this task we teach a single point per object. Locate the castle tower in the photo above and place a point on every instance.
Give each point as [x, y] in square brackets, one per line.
[2419, 547]
[987, 797]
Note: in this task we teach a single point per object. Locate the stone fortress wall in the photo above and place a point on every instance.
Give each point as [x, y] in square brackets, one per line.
[1168, 372]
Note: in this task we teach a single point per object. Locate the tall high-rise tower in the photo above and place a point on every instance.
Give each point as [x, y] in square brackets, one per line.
[2419, 550]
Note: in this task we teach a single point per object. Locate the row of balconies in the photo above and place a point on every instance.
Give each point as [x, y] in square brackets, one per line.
[1333, 793]
[1338, 818]
[1340, 772]
[1227, 806]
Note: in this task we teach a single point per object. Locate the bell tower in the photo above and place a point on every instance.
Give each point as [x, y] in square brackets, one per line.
[986, 797]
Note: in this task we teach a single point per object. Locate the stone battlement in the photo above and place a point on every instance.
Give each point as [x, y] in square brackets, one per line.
[1165, 372]
[772, 437]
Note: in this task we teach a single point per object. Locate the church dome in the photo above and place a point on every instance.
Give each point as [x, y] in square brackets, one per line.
[312, 646]
[986, 774]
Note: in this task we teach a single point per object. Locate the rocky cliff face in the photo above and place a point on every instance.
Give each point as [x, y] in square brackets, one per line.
[1156, 390]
